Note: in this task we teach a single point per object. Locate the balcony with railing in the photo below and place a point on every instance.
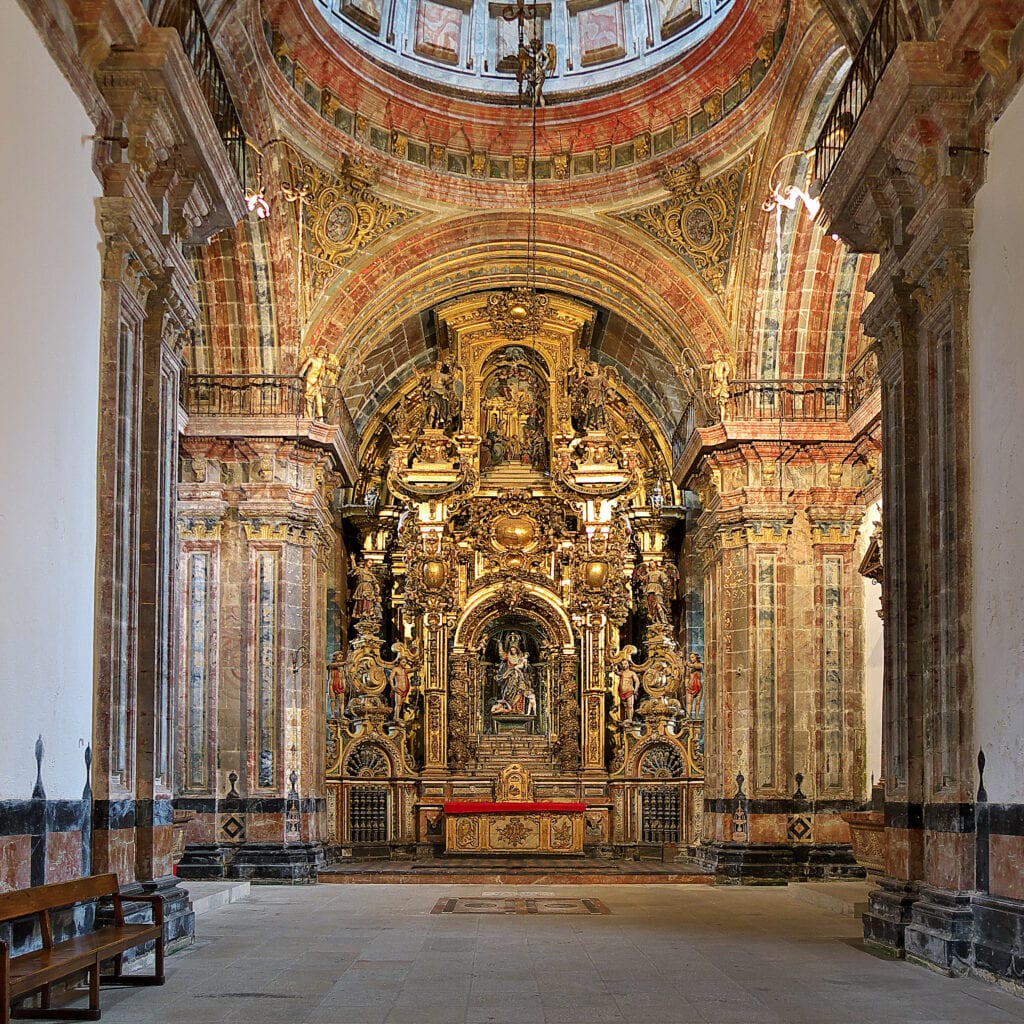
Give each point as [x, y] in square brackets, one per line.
[268, 404]
[880, 43]
[794, 409]
[187, 20]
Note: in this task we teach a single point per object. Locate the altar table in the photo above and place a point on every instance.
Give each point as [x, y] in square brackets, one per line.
[480, 826]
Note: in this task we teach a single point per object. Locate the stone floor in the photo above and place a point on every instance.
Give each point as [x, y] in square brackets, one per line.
[469, 870]
[361, 954]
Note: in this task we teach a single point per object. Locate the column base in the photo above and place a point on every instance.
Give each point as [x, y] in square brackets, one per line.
[777, 863]
[940, 930]
[298, 863]
[179, 920]
[204, 862]
[999, 939]
[888, 914]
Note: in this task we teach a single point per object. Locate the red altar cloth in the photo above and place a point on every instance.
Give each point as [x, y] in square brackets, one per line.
[486, 806]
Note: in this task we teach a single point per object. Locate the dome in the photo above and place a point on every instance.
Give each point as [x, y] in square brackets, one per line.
[471, 46]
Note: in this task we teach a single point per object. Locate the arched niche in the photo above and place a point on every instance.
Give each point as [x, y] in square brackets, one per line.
[515, 409]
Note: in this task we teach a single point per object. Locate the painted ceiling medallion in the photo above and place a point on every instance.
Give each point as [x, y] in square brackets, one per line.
[698, 222]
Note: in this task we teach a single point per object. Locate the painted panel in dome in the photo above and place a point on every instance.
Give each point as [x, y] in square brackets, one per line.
[438, 31]
[363, 12]
[676, 15]
[602, 35]
[508, 45]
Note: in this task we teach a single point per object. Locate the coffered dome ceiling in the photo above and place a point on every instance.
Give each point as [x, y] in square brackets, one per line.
[472, 45]
[639, 193]
[428, 84]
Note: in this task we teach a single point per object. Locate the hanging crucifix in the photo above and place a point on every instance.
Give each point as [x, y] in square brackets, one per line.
[536, 60]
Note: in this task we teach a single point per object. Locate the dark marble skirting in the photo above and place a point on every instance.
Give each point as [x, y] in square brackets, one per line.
[954, 932]
[766, 863]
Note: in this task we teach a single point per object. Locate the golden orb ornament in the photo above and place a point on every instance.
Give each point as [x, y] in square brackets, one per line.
[433, 575]
[595, 573]
[515, 533]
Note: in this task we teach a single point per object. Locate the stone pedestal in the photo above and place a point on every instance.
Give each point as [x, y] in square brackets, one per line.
[298, 863]
[940, 930]
[777, 863]
[206, 861]
[888, 914]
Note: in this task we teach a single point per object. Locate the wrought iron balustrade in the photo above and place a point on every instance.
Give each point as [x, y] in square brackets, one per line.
[242, 394]
[186, 19]
[792, 399]
[880, 42]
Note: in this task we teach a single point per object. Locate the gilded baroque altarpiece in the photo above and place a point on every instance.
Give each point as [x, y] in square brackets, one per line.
[513, 596]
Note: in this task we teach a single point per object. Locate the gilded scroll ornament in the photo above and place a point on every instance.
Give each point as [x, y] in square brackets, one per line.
[516, 314]
[698, 222]
[344, 216]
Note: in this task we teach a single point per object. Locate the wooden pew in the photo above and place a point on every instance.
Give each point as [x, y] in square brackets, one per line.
[23, 975]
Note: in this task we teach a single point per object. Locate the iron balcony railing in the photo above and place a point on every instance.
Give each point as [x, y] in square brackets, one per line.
[263, 394]
[883, 36]
[802, 400]
[780, 399]
[186, 19]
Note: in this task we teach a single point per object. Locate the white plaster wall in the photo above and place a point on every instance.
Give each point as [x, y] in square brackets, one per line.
[997, 459]
[874, 653]
[50, 312]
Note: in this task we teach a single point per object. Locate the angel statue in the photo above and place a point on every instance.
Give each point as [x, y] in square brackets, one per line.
[536, 63]
[721, 372]
[318, 369]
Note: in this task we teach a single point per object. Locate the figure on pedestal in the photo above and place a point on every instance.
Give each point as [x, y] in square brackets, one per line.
[318, 369]
[627, 682]
[513, 677]
[694, 685]
[337, 684]
[721, 371]
[400, 677]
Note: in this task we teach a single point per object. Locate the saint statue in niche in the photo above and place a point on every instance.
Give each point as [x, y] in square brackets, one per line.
[514, 679]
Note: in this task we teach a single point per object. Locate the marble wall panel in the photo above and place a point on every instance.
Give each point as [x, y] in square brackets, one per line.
[264, 828]
[15, 862]
[767, 828]
[1006, 866]
[830, 828]
[949, 860]
[766, 667]
[197, 670]
[63, 856]
[202, 829]
[114, 851]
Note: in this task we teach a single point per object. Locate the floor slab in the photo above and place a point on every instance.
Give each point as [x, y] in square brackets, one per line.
[663, 953]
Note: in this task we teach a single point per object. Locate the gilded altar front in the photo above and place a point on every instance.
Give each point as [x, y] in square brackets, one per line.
[515, 829]
[515, 599]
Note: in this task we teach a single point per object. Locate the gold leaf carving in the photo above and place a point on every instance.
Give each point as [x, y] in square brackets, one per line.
[697, 223]
[343, 216]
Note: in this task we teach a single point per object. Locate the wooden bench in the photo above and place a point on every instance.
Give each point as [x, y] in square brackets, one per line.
[23, 975]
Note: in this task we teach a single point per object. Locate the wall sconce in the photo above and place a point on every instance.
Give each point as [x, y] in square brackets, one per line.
[787, 197]
[256, 200]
